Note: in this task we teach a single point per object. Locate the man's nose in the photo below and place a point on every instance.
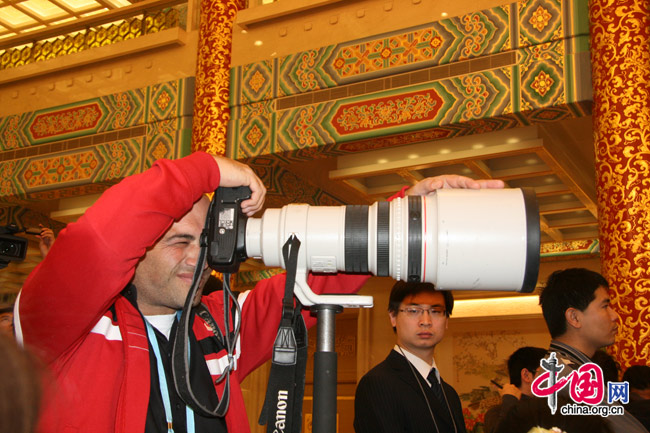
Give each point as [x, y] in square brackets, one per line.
[613, 314]
[193, 257]
[425, 318]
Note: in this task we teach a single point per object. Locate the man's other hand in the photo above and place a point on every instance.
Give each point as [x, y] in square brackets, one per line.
[430, 184]
[45, 240]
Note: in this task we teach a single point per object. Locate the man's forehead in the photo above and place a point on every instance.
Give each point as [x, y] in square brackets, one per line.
[193, 220]
[199, 210]
[425, 298]
[202, 205]
[601, 295]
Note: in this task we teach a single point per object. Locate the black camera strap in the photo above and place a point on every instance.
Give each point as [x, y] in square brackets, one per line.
[282, 408]
[180, 352]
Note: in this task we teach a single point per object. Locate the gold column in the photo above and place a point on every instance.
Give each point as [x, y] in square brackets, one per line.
[620, 57]
[211, 111]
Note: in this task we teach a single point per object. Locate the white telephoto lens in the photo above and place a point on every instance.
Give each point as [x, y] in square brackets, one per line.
[456, 239]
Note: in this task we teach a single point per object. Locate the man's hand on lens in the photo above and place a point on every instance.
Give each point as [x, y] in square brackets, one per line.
[430, 184]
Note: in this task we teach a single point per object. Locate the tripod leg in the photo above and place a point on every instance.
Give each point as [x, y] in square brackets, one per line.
[325, 369]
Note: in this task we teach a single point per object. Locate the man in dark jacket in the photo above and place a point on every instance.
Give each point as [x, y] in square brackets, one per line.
[522, 366]
[638, 376]
[405, 393]
[578, 313]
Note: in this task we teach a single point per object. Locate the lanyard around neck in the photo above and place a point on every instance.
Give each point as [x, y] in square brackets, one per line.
[162, 381]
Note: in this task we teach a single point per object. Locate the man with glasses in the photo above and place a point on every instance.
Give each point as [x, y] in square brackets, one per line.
[405, 392]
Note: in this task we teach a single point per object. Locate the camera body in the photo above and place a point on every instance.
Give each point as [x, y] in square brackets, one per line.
[227, 229]
[457, 239]
[12, 248]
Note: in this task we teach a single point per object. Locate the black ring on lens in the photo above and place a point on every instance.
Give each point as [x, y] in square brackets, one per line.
[356, 238]
[383, 238]
[414, 239]
[533, 240]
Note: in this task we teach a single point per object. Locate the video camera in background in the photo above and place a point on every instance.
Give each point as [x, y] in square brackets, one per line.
[457, 239]
[12, 248]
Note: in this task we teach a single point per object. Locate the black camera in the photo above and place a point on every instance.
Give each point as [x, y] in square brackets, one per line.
[457, 239]
[227, 229]
[11, 247]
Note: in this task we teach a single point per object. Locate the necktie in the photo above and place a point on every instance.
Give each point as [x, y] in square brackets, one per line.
[436, 387]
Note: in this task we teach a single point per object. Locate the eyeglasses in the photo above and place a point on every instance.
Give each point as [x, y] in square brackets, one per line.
[415, 312]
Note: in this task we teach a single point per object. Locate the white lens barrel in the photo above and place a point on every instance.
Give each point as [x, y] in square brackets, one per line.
[320, 229]
[454, 238]
[481, 240]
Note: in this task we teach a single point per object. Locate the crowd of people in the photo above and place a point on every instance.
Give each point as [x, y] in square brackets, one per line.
[102, 337]
[576, 308]
[406, 393]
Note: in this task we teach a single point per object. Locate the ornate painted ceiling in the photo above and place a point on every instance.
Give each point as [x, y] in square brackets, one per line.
[304, 137]
[20, 17]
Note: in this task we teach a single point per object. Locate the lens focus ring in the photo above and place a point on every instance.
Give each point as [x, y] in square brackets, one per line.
[356, 238]
[383, 239]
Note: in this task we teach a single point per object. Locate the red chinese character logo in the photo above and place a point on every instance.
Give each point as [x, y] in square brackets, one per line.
[552, 388]
[587, 384]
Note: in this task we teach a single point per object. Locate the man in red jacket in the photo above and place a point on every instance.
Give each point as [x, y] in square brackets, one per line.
[101, 308]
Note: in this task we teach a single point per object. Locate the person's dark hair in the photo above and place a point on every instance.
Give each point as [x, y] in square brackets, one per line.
[525, 357]
[608, 364]
[403, 289]
[569, 288]
[213, 284]
[534, 412]
[638, 376]
[20, 388]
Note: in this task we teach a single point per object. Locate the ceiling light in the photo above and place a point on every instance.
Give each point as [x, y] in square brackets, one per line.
[413, 156]
[532, 161]
[445, 151]
[513, 140]
[382, 161]
[116, 3]
[258, 43]
[244, 31]
[549, 180]
[444, 14]
[478, 146]
[43, 9]
[15, 17]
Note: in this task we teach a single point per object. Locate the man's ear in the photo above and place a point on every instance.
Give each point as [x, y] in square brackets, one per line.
[573, 317]
[393, 318]
[526, 376]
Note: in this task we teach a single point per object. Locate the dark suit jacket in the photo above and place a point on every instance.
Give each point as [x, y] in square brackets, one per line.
[641, 410]
[389, 399]
[496, 414]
